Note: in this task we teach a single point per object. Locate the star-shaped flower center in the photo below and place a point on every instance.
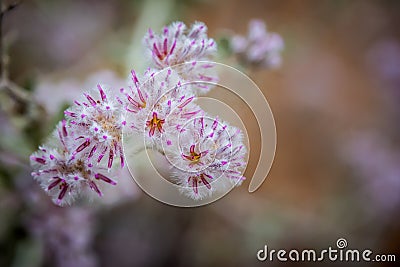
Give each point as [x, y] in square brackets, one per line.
[155, 123]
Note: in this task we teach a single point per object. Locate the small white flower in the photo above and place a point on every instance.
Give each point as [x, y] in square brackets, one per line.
[159, 104]
[97, 121]
[63, 174]
[177, 45]
[208, 156]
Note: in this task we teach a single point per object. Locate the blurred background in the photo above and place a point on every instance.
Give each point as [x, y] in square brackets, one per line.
[336, 103]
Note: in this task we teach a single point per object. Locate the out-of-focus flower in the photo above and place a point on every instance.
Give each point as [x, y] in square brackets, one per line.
[177, 45]
[259, 48]
[97, 123]
[377, 164]
[383, 58]
[125, 191]
[67, 235]
[53, 95]
[208, 156]
[62, 173]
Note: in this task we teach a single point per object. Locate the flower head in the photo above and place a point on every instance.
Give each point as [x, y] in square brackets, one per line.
[208, 156]
[97, 121]
[157, 104]
[177, 45]
[62, 173]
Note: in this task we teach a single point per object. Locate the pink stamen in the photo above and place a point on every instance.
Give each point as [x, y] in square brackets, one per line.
[194, 185]
[158, 54]
[173, 47]
[94, 187]
[83, 145]
[215, 124]
[205, 78]
[134, 78]
[151, 33]
[55, 183]
[190, 114]
[91, 100]
[71, 114]
[165, 46]
[209, 176]
[64, 128]
[187, 101]
[64, 189]
[102, 154]
[100, 176]
[39, 160]
[94, 148]
[133, 102]
[207, 184]
[110, 158]
[141, 96]
[102, 94]
[121, 156]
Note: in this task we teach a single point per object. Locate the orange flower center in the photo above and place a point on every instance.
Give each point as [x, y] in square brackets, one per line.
[155, 123]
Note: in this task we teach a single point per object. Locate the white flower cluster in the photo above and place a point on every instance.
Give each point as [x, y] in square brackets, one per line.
[64, 174]
[157, 107]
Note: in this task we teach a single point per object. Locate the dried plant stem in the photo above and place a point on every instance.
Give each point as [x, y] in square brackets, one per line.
[15, 101]
[15, 92]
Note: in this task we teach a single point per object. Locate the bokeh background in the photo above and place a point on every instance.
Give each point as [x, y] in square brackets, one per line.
[336, 102]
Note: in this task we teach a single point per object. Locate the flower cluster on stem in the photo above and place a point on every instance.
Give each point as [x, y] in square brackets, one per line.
[158, 106]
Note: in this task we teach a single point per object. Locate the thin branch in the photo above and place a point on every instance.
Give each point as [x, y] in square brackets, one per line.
[3, 56]
[17, 93]
[10, 7]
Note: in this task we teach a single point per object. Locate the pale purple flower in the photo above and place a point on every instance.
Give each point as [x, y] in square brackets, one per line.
[97, 121]
[177, 45]
[62, 173]
[259, 48]
[66, 234]
[208, 156]
[383, 60]
[376, 163]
